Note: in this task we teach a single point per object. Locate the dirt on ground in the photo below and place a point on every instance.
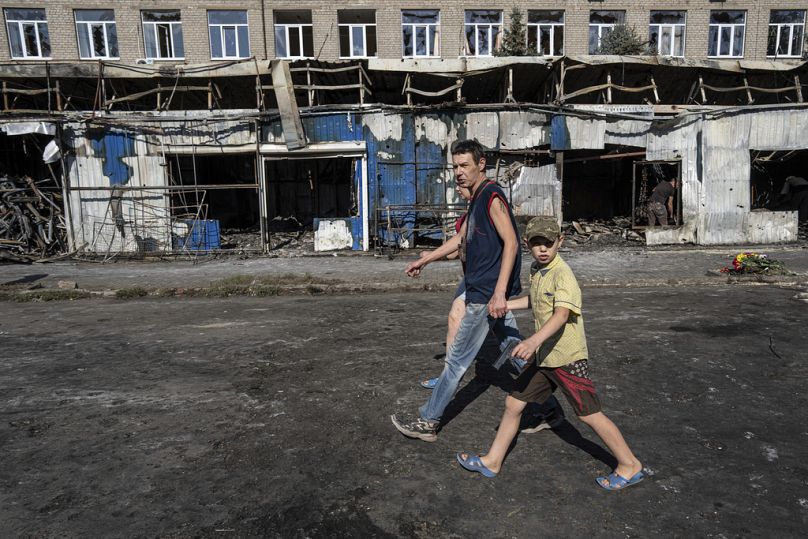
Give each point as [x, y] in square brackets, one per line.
[269, 417]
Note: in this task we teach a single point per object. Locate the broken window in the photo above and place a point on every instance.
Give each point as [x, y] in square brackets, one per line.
[162, 34]
[97, 33]
[357, 33]
[483, 31]
[420, 33]
[545, 32]
[786, 28]
[726, 34]
[27, 33]
[294, 38]
[229, 34]
[666, 35]
[600, 24]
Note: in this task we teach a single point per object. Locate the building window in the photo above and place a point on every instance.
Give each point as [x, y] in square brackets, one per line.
[786, 29]
[357, 33]
[600, 24]
[420, 33]
[294, 37]
[666, 35]
[545, 32]
[229, 34]
[726, 34]
[483, 31]
[27, 33]
[97, 33]
[162, 33]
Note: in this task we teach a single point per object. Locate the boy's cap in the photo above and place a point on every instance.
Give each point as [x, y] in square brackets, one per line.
[545, 226]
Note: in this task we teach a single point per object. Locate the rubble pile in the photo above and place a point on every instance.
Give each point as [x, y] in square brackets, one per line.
[32, 227]
[616, 231]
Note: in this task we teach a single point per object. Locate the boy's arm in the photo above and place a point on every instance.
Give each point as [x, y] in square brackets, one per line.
[451, 245]
[516, 304]
[527, 348]
[498, 306]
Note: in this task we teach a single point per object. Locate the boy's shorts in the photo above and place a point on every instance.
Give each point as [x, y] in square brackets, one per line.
[573, 379]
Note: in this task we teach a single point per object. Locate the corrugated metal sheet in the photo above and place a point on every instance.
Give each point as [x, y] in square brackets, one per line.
[586, 134]
[204, 134]
[520, 130]
[779, 130]
[483, 126]
[537, 191]
[332, 128]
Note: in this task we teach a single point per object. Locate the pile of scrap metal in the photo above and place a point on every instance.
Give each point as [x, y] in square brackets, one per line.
[32, 227]
[613, 232]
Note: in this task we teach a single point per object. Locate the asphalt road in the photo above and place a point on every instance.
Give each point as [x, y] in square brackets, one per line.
[269, 417]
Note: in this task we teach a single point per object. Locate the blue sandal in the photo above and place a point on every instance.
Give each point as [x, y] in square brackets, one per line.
[429, 384]
[614, 481]
[473, 464]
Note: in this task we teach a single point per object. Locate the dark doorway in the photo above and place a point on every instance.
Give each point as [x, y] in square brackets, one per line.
[598, 184]
[222, 180]
[779, 181]
[300, 190]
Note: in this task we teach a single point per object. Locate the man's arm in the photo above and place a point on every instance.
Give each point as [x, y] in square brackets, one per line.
[451, 245]
[670, 208]
[498, 305]
[528, 347]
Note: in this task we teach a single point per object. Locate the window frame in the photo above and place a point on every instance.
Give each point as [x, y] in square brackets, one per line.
[672, 26]
[284, 27]
[431, 28]
[602, 26]
[492, 38]
[38, 33]
[537, 26]
[236, 27]
[364, 27]
[156, 24]
[732, 27]
[89, 25]
[791, 27]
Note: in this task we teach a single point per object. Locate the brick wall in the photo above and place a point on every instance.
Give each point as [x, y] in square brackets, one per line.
[62, 27]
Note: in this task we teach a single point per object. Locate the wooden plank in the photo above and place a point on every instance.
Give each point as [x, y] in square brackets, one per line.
[293, 133]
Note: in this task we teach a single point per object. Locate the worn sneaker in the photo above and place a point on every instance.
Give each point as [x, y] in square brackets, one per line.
[417, 428]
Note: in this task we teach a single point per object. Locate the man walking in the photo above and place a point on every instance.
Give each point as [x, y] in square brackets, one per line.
[493, 262]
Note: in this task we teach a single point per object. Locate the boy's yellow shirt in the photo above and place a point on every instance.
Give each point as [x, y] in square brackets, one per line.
[550, 286]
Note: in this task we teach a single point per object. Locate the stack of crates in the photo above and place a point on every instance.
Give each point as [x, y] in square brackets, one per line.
[203, 235]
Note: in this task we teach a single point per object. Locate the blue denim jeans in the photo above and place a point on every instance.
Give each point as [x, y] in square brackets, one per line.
[467, 343]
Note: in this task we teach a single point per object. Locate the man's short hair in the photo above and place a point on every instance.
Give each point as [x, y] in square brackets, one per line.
[473, 147]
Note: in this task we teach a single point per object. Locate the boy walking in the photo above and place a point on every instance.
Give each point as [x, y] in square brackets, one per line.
[491, 275]
[560, 352]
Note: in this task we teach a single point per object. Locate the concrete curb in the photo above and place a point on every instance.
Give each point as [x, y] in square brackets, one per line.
[331, 288]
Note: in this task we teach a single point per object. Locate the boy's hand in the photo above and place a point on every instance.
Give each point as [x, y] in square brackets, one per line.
[527, 348]
[498, 306]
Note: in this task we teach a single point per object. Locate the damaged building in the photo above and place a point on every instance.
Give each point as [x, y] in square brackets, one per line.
[241, 153]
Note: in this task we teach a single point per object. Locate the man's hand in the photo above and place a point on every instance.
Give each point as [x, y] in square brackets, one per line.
[413, 269]
[527, 348]
[498, 306]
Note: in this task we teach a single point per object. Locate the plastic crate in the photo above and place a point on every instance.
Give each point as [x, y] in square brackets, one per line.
[202, 236]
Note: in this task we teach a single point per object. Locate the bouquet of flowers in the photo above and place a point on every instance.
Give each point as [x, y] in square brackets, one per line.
[755, 263]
